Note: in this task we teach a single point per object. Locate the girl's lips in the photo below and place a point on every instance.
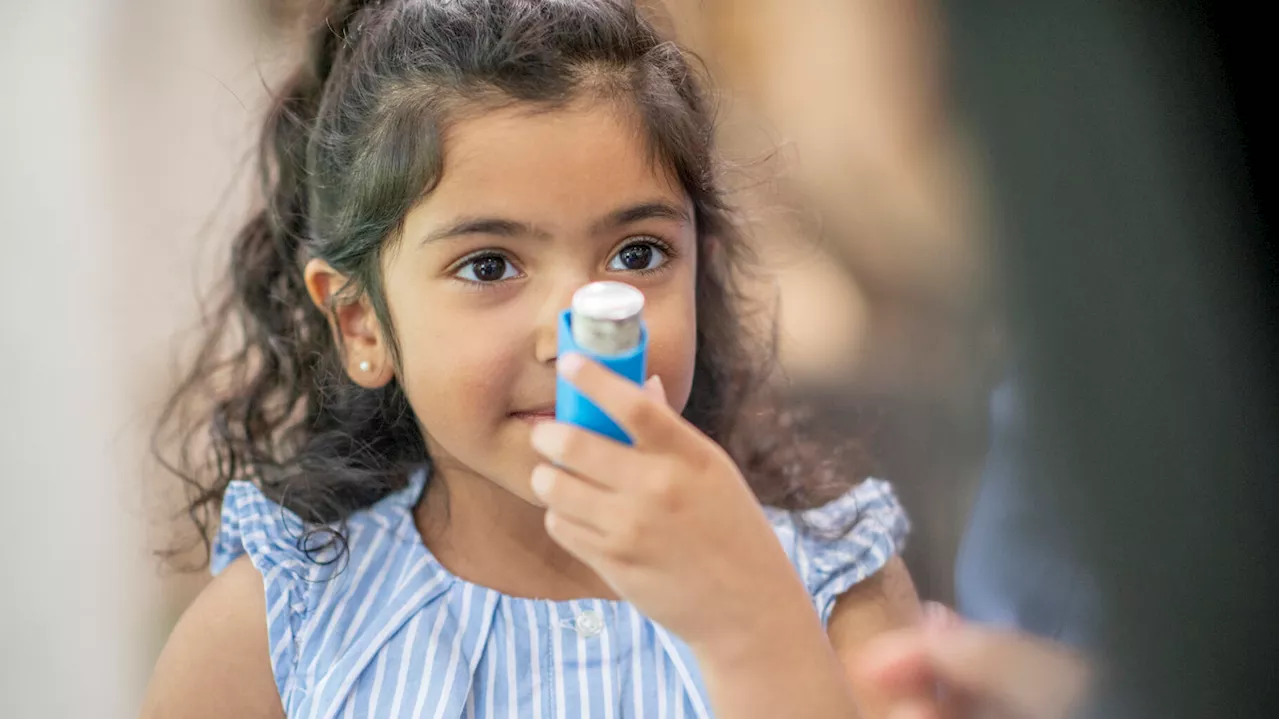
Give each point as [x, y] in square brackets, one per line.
[536, 415]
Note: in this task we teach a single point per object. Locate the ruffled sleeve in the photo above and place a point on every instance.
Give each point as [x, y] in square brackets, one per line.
[840, 544]
[271, 536]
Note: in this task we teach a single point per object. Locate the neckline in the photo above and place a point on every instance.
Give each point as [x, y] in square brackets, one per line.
[402, 502]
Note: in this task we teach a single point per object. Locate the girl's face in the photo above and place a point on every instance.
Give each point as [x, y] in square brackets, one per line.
[530, 207]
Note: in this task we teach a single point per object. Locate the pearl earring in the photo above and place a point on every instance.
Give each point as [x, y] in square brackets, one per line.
[365, 366]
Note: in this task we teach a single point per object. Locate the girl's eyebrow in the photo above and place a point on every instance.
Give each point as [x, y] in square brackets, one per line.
[497, 226]
[648, 210]
[506, 227]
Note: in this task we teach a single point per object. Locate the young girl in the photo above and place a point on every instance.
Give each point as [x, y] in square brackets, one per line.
[405, 531]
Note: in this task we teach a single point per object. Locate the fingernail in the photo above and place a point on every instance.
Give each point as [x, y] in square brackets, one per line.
[547, 438]
[569, 364]
[655, 389]
[936, 617]
[541, 480]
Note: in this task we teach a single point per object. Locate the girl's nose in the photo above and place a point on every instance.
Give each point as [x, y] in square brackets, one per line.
[548, 322]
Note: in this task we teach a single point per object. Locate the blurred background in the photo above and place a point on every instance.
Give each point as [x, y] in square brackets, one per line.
[128, 127]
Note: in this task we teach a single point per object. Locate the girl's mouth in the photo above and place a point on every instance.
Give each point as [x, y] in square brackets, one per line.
[538, 414]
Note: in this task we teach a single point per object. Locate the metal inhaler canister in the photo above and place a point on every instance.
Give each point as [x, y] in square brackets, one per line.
[604, 323]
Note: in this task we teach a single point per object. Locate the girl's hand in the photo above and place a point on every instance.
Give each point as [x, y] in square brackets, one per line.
[669, 523]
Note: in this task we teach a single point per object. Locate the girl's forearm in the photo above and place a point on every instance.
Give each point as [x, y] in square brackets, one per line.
[783, 667]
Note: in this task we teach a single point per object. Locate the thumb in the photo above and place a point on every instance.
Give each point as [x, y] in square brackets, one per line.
[654, 390]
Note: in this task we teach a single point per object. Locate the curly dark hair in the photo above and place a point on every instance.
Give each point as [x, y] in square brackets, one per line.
[352, 142]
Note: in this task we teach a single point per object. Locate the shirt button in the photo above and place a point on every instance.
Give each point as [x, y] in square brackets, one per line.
[588, 623]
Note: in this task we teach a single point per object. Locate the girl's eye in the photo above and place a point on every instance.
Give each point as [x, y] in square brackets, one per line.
[487, 269]
[639, 257]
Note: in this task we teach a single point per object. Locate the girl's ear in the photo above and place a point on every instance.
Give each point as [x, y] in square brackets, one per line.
[356, 330]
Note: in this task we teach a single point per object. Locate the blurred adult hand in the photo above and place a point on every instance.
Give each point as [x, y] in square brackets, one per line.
[950, 670]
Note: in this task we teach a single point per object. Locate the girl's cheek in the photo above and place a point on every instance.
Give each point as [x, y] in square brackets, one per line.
[672, 350]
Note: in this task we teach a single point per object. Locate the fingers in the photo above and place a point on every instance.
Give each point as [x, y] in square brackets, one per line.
[1028, 676]
[947, 667]
[574, 498]
[645, 417]
[585, 453]
[589, 454]
[654, 390]
[579, 540]
[939, 616]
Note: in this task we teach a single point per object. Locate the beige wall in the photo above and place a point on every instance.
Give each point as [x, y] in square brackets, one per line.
[122, 125]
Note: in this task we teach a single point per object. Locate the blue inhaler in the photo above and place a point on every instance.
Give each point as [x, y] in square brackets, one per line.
[604, 324]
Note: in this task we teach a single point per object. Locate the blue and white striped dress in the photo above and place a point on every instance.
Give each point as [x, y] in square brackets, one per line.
[394, 634]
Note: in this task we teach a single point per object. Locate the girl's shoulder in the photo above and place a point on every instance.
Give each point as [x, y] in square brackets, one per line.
[325, 588]
[214, 663]
[842, 543]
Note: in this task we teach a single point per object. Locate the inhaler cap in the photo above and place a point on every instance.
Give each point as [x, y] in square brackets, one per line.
[606, 317]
